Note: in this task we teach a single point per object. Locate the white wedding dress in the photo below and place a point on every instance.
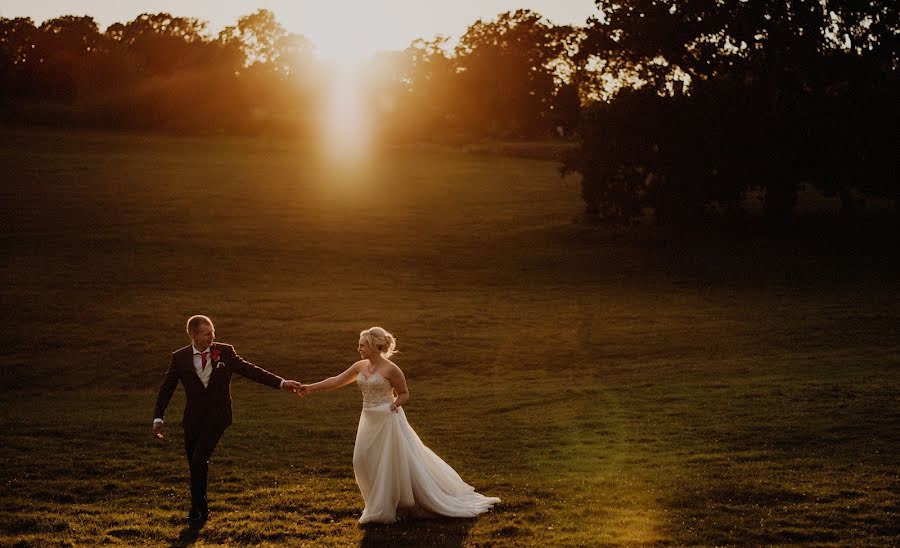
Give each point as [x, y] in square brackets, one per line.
[396, 472]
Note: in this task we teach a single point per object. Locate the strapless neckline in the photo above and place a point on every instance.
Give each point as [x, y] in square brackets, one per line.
[367, 379]
[376, 389]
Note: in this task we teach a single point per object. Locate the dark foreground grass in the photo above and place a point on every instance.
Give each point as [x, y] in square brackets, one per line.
[609, 390]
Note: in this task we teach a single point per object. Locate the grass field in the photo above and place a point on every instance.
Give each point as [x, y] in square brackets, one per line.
[611, 388]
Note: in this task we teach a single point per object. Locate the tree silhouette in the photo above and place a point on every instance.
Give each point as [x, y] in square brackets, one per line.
[161, 43]
[18, 39]
[757, 89]
[507, 85]
[259, 36]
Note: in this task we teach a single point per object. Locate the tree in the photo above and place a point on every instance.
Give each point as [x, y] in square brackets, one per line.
[419, 97]
[161, 43]
[61, 49]
[18, 37]
[507, 85]
[761, 87]
[259, 36]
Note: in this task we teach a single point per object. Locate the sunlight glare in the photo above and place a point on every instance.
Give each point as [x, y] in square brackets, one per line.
[346, 127]
[351, 32]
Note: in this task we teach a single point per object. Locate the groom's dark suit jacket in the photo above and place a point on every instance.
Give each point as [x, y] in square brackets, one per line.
[208, 406]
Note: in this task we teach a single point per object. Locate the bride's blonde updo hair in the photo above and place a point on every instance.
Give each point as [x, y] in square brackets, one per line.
[379, 339]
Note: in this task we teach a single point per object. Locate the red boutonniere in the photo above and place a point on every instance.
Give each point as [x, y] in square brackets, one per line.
[215, 354]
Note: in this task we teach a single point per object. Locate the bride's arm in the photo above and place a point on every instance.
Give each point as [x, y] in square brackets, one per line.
[333, 383]
[398, 382]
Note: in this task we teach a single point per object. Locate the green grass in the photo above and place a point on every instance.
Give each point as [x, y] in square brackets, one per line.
[611, 389]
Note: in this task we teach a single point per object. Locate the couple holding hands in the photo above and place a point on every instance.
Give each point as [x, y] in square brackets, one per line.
[396, 473]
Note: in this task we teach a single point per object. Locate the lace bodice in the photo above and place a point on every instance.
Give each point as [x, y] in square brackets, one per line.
[376, 390]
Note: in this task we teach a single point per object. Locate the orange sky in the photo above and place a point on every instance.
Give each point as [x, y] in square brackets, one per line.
[340, 28]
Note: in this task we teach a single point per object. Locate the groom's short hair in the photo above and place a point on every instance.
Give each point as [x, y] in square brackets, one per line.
[193, 323]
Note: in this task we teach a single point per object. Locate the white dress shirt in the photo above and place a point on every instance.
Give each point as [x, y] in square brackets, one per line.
[203, 372]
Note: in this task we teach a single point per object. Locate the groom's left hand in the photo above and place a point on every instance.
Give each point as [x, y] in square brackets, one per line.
[291, 386]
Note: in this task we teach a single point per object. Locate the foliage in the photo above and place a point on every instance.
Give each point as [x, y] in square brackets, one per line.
[264, 42]
[682, 107]
[504, 70]
[160, 71]
[501, 81]
[734, 96]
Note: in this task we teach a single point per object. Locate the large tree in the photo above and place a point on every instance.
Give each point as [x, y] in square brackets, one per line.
[743, 94]
[18, 38]
[507, 82]
[265, 43]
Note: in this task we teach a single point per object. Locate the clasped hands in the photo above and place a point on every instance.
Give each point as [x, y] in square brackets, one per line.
[296, 387]
[291, 386]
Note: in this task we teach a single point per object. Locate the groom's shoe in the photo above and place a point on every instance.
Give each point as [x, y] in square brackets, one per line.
[196, 518]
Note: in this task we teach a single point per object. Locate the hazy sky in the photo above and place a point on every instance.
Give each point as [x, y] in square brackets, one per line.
[337, 27]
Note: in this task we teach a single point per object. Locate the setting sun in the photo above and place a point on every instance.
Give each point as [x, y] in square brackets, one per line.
[343, 34]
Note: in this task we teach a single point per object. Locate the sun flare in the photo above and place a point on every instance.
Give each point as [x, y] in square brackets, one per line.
[345, 34]
[345, 125]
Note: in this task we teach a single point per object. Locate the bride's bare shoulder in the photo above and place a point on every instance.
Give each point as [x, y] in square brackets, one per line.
[358, 366]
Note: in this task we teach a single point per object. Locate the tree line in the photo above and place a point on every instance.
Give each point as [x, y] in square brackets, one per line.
[678, 108]
[161, 71]
[157, 72]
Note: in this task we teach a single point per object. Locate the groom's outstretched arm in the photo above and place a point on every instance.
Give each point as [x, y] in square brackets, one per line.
[258, 374]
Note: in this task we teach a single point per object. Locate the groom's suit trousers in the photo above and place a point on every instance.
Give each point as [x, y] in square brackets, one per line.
[199, 446]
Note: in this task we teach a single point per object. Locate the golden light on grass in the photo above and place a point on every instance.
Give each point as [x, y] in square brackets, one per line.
[663, 412]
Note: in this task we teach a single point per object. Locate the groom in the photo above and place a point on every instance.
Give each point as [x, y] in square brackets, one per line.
[204, 369]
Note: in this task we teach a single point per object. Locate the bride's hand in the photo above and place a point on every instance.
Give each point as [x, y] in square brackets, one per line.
[394, 407]
[302, 391]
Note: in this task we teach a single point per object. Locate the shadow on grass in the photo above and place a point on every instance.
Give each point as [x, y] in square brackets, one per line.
[449, 532]
[186, 537]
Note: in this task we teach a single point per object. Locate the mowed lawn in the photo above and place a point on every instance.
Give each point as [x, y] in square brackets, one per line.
[610, 388]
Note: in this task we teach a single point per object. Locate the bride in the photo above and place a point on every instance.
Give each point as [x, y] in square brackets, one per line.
[395, 471]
